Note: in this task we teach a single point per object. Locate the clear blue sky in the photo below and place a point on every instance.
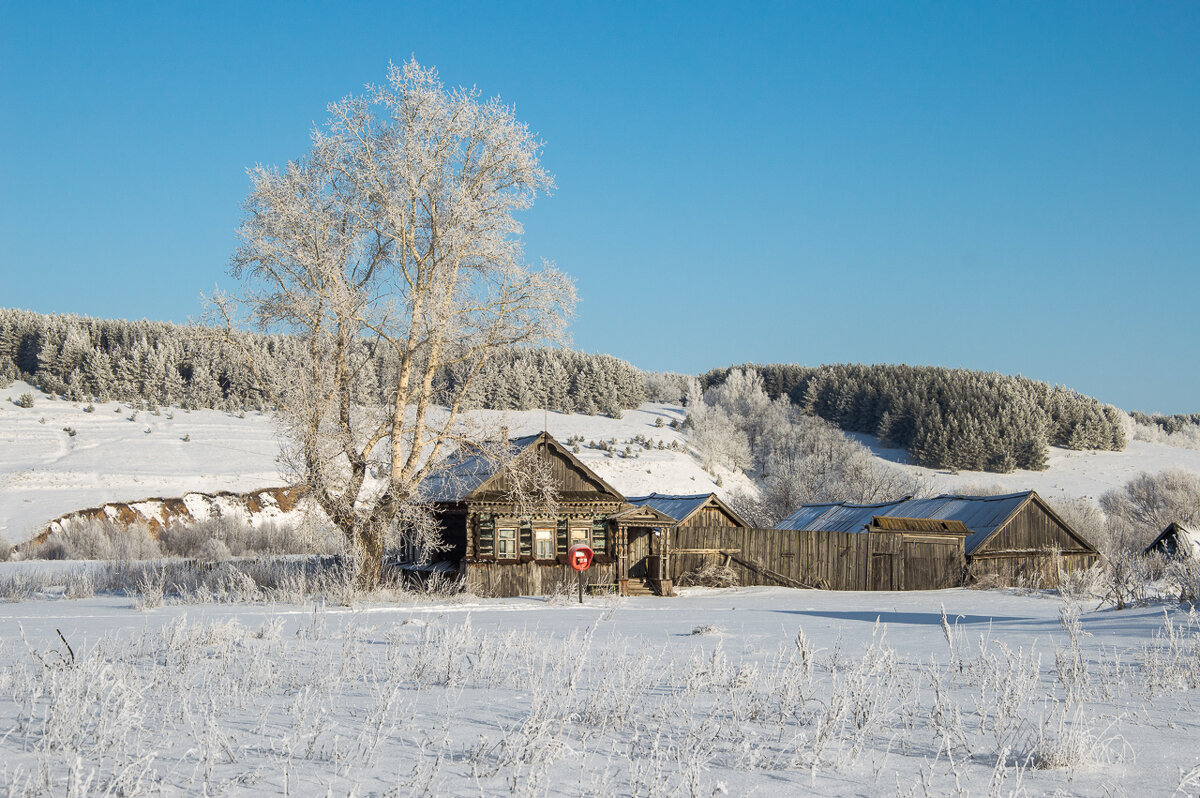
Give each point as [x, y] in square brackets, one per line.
[1009, 187]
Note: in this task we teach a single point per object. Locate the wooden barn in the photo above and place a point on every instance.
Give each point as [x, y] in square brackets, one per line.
[1011, 536]
[1176, 542]
[502, 550]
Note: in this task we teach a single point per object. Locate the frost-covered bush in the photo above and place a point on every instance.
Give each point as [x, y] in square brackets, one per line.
[711, 575]
[1144, 506]
[99, 540]
[24, 400]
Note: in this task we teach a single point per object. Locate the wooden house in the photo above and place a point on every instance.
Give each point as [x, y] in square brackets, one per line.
[1011, 536]
[503, 550]
[1176, 542]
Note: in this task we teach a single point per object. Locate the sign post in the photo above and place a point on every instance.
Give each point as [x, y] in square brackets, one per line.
[580, 557]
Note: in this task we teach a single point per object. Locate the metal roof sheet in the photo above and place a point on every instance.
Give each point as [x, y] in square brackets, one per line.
[983, 515]
[678, 507]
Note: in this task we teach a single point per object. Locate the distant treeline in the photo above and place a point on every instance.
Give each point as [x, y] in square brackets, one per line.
[947, 418]
[1168, 424]
[195, 367]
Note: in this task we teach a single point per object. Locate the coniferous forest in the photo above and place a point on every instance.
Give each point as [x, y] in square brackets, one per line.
[195, 367]
[947, 418]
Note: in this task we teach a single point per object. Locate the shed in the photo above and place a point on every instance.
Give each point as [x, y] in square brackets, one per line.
[1011, 536]
[1177, 542]
[671, 541]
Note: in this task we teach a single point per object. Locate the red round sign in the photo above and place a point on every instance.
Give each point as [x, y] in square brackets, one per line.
[580, 557]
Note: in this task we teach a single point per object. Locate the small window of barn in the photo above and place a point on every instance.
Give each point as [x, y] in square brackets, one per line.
[506, 543]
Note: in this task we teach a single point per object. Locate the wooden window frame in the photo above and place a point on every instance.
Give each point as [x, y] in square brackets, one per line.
[544, 533]
[513, 534]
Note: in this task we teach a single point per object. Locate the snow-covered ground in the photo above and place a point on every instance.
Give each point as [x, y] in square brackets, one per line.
[757, 691]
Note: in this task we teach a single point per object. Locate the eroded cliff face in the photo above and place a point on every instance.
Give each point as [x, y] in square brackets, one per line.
[278, 506]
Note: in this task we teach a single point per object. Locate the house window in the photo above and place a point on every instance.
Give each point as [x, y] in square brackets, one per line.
[543, 543]
[506, 540]
[581, 533]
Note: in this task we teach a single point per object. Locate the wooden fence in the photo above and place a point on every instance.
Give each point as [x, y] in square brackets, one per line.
[833, 560]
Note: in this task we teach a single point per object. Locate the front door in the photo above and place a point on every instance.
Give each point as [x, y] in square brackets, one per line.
[639, 552]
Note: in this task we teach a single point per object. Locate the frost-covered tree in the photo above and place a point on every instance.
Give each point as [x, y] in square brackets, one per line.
[398, 228]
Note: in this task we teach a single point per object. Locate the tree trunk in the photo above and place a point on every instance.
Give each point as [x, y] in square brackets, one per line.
[369, 545]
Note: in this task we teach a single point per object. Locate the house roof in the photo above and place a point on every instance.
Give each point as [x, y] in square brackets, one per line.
[982, 515]
[681, 508]
[467, 470]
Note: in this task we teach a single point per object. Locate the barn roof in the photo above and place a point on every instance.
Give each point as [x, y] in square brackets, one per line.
[982, 515]
[682, 508]
[1177, 540]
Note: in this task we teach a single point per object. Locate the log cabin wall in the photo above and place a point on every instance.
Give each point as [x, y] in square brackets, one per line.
[497, 580]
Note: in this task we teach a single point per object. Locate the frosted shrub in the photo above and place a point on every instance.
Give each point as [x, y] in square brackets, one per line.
[1127, 579]
[1183, 575]
[148, 591]
[711, 575]
[24, 400]
[214, 550]
[1074, 743]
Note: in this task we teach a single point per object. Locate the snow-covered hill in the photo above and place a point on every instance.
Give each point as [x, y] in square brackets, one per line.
[46, 472]
[1070, 474]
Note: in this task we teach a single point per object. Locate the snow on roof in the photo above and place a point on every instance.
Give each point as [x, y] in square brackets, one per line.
[983, 515]
[678, 507]
[464, 471]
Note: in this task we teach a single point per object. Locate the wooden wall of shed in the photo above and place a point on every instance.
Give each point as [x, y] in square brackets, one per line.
[1021, 551]
[710, 517]
[1032, 529]
[1028, 568]
[531, 579]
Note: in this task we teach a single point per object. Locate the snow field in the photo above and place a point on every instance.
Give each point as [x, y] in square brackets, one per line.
[751, 691]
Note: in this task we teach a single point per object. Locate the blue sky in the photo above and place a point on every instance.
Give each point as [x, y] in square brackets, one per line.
[1009, 187]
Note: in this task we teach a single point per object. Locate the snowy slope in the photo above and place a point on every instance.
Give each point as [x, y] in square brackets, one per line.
[1070, 474]
[45, 472]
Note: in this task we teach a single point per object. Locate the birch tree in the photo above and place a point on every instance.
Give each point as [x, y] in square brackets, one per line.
[397, 231]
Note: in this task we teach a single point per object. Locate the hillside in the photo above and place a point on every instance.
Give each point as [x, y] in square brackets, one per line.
[46, 472]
